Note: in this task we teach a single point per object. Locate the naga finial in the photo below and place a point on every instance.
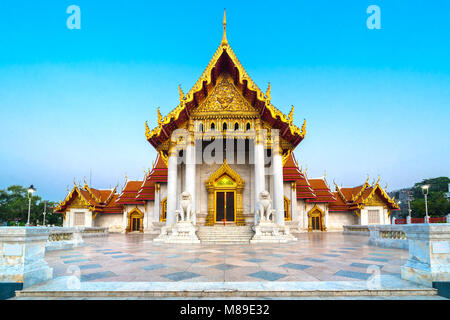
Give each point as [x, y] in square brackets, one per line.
[304, 128]
[268, 93]
[291, 114]
[147, 130]
[182, 96]
[159, 116]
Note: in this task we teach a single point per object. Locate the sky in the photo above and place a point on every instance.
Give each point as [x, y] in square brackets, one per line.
[73, 102]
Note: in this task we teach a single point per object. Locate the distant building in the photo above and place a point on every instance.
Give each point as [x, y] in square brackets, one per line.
[402, 196]
[448, 193]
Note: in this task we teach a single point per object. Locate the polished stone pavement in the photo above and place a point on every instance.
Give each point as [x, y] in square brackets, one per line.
[314, 257]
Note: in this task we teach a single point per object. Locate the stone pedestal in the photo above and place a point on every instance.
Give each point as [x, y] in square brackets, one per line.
[269, 232]
[181, 232]
[22, 253]
[429, 253]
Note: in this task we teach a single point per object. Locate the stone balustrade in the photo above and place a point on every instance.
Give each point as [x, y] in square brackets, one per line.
[88, 232]
[61, 238]
[356, 230]
[388, 236]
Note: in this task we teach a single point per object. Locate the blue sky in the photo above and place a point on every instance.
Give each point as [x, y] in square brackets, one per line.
[376, 101]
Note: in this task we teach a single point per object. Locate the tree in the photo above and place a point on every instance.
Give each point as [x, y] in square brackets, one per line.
[14, 208]
[438, 205]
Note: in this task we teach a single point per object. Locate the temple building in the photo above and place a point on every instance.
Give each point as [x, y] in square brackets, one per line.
[224, 145]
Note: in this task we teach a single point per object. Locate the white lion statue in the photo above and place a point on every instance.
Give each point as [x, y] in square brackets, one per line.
[264, 211]
[185, 213]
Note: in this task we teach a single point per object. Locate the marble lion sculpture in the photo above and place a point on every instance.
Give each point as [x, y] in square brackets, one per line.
[185, 212]
[264, 211]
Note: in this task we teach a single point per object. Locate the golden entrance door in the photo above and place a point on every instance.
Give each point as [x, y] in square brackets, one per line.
[315, 220]
[135, 221]
[135, 224]
[225, 208]
[315, 223]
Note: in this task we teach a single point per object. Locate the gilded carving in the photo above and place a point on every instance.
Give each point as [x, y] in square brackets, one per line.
[224, 98]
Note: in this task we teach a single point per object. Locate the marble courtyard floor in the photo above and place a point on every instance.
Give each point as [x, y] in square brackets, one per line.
[314, 257]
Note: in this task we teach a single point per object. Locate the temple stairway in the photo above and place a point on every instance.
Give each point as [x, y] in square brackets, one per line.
[228, 234]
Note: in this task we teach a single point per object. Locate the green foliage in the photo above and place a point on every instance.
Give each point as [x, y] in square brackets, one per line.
[438, 205]
[14, 204]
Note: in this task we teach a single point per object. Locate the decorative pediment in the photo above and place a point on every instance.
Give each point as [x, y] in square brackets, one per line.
[224, 101]
[78, 202]
[375, 200]
[224, 176]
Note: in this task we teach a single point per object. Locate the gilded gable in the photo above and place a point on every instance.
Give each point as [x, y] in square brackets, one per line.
[224, 101]
[375, 200]
[78, 203]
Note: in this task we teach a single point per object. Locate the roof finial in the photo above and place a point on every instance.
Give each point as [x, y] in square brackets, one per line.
[224, 38]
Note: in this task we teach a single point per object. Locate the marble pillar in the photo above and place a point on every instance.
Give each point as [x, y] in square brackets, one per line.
[259, 167]
[22, 253]
[172, 181]
[189, 180]
[278, 192]
[429, 253]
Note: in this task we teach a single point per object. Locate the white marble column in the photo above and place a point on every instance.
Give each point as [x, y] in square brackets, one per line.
[157, 206]
[294, 214]
[278, 192]
[172, 181]
[259, 166]
[189, 180]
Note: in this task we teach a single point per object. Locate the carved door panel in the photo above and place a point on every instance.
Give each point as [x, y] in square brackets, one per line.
[220, 206]
[229, 206]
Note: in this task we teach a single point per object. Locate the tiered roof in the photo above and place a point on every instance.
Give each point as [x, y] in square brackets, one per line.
[139, 191]
[311, 190]
[224, 60]
[96, 200]
[350, 199]
[130, 192]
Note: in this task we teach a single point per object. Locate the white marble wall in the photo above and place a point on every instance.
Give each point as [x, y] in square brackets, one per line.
[112, 221]
[69, 221]
[338, 219]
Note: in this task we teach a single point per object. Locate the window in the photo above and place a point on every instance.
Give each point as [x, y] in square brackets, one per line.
[163, 210]
[248, 126]
[236, 126]
[224, 126]
[287, 203]
[213, 126]
[79, 219]
[373, 216]
[200, 127]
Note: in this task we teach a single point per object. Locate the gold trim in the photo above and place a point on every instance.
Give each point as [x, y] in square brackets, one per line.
[135, 213]
[287, 209]
[163, 210]
[238, 187]
[321, 215]
[244, 79]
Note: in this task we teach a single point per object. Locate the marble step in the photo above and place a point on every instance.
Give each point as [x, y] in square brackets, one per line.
[390, 286]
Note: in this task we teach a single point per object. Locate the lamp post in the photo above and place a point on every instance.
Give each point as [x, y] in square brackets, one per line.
[45, 212]
[425, 193]
[409, 205]
[30, 190]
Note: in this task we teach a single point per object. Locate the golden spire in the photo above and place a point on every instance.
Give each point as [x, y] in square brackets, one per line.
[224, 38]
